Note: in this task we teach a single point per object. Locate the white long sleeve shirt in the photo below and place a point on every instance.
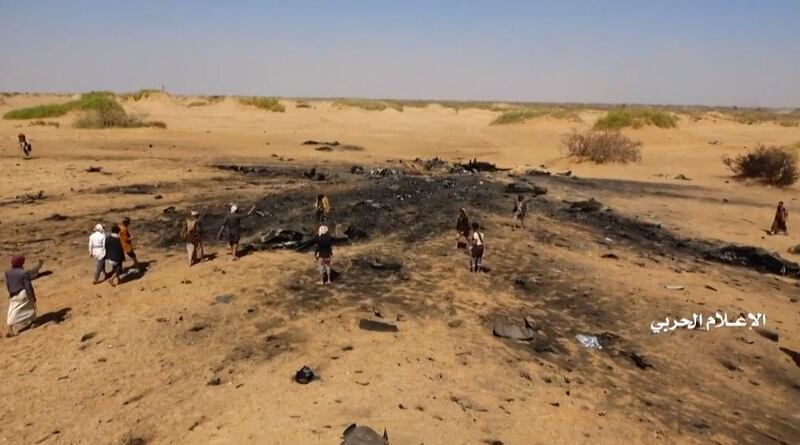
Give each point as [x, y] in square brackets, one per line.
[97, 245]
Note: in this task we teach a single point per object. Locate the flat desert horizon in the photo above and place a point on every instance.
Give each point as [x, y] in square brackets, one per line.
[208, 353]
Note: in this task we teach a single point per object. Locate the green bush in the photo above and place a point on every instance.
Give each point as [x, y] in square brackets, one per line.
[636, 118]
[514, 117]
[771, 165]
[264, 103]
[96, 100]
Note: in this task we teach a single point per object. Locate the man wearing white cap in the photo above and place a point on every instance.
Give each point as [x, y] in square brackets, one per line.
[97, 250]
[232, 224]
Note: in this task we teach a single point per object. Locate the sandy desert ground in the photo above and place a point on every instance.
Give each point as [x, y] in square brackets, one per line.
[443, 378]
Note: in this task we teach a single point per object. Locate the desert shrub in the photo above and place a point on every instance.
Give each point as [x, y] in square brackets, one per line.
[156, 124]
[302, 105]
[520, 115]
[789, 123]
[264, 103]
[367, 104]
[514, 117]
[602, 147]
[636, 118]
[214, 99]
[45, 124]
[141, 94]
[197, 103]
[771, 165]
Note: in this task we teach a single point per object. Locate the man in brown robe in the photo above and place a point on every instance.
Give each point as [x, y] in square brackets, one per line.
[779, 224]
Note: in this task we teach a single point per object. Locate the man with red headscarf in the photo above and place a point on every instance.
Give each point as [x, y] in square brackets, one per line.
[22, 299]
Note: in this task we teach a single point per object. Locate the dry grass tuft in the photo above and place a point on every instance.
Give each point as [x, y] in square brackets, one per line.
[602, 147]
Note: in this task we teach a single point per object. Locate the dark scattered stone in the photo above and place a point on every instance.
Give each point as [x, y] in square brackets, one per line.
[88, 336]
[455, 323]
[639, 360]
[93, 169]
[197, 327]
[376, 326]
[682, 177]
[524, 187]
[170, 209]
[610, 256]
[304, 376]
[767, 333]
[56, 217]
[585, 206]
[214, 381]
[224, 298]
[794, 355]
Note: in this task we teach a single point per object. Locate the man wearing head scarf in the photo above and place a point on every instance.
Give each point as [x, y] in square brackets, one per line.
[462, 227]
[324, 253]
[126, 240]
[22, 299]
[192, 233]
[779, 223]
[322, 208]
[97, 250]
[232, 224]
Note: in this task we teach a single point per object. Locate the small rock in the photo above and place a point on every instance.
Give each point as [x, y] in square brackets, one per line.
[767, 333]
[224, 298]
[197, 327]
[88, 336]
[214, 381]
[376, 326]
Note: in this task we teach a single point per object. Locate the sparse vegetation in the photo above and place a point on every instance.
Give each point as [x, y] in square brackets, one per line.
[368, 104]
[636, 118]
[770, 165]
[514, 117]
[602, 147]
[264, 103]
[752, 116]
[141, 94]
[45, 124]
[197, 103]
[214, 99]
[520, 115]
[88, 101]
[302, 105]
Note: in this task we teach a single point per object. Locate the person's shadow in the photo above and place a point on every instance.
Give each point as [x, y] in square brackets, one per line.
[136, 272]
[52, 317]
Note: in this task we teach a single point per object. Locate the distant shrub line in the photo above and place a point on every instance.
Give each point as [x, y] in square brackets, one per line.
[635, 118]
[263, 103]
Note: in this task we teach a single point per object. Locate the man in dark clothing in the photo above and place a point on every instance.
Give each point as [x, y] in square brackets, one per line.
[115, 254]
[24, 145]
[21, 297]
[462, 227]
[324, 253]
[232, 224]
[779, 223]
